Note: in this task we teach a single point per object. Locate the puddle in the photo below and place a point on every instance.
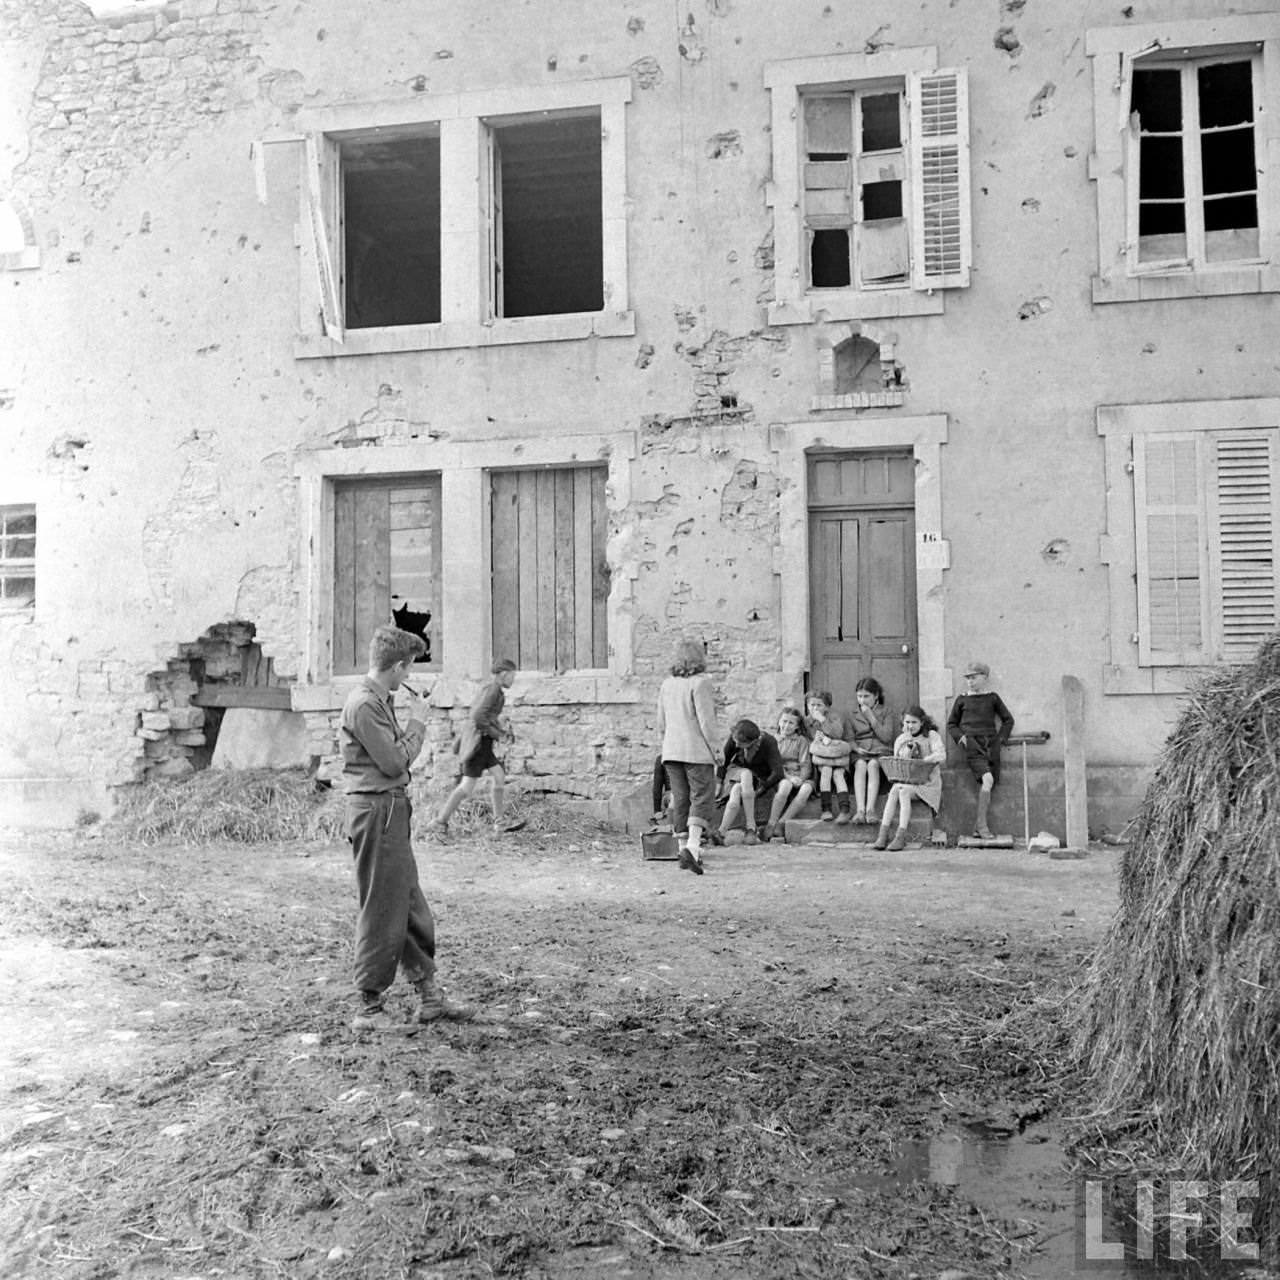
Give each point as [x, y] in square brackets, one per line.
[1025, 1180]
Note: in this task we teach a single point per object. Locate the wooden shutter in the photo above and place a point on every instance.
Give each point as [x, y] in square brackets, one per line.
[324, 202]
[1171, 549]
[386, 555]
[941, 231]
[493, 214]
[549, 573]
[1243, 505]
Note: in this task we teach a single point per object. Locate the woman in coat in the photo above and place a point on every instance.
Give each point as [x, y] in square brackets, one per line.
[687, 723]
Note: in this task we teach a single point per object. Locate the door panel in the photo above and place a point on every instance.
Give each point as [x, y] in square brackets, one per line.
[863, 605]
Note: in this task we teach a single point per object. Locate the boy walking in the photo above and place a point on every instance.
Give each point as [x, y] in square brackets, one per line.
[394, 926]
[483, 729]
[980, 724]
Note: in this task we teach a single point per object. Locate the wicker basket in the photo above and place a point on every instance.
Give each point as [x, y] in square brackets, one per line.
[902, 769]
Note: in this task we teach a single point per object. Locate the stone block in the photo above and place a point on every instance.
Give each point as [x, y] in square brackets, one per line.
[190, 738]
[156, 721]
[255, 738]
[177, 767]
[187, 717]
[199, 8]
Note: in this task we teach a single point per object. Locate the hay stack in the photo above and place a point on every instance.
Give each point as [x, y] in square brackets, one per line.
[240, 805]
[1180, 1018]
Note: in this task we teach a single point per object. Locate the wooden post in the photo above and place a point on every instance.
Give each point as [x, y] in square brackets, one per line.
[1074, 789]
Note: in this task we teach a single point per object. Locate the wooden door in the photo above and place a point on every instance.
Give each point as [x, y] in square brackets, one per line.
[862, 588]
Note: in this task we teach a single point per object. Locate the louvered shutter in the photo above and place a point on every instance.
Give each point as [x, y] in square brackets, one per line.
[941, 224]
[1171, 549]
[1243, 529]
[324, 201]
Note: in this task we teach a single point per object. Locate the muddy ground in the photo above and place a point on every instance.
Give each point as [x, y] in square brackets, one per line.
[673, 1076]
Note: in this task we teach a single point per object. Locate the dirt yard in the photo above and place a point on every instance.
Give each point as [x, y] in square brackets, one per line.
[673, 1076]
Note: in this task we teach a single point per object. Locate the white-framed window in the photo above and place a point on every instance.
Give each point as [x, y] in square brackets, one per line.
[870, 189]
[17, 558]
[466, 220]
[1193, 526]
[1186, 200]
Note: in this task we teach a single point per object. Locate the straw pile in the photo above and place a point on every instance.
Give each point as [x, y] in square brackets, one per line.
[242, 805]
[1180, 1018]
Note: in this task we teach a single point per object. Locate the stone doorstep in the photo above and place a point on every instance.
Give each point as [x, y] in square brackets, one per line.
[815, 831]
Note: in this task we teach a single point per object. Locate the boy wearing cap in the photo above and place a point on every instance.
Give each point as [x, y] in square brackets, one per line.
[980, 724]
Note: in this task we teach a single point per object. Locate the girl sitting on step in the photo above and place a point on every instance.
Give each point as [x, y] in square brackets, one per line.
[919, 740]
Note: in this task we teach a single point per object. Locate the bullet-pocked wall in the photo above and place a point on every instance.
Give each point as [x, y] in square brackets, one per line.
[192, 402]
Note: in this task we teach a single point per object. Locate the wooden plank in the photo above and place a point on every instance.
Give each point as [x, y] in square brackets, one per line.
[583, 568]
[600, 581]
[264, 697]
[344, 582]
[527, 506]
[504, 525]
[546, 569]
[372, 562]
[563, 571]
[850, 556]
[1073, 762]
[827, 605]
[887, 570]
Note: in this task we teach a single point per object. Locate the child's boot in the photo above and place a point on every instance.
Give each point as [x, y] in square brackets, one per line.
[882, 837]
[694, 851]
[843, 816]
[824, 802]
[899, 841]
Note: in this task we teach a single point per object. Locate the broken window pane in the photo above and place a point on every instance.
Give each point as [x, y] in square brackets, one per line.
[1157, 99]
[17, 557]
[881, 122]
[386, 557]
[829, 259]
[550, 241]
[391, 230]
[1226, 94]
[881, 200]
[1160, 169]
[1227, 160]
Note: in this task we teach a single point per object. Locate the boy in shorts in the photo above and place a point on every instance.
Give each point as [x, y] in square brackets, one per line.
[483, 729]
[980, 724]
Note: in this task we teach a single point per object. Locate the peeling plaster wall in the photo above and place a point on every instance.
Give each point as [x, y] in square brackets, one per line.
[152, 405]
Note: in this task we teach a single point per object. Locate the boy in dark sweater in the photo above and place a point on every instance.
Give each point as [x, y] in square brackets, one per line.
[980, 724]
[752, 766]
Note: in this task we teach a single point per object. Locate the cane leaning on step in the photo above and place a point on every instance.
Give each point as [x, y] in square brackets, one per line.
[394, 928]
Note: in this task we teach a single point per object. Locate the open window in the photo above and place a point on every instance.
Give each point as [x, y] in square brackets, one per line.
[472, 219]
[550, 574]
[872, 153]
[1186, 202]
[17, 559]
[386, 565]
[1193, 127]
[546, 243]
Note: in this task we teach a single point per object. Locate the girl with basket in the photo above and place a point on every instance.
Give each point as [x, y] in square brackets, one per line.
[915, 770]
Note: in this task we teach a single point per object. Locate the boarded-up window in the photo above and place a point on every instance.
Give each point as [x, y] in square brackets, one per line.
[1206, 519]
[386, 555]
[17, 558]
[886, 184]
[550, 576]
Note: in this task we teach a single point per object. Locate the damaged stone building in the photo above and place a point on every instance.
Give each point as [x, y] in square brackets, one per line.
[850, 338]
